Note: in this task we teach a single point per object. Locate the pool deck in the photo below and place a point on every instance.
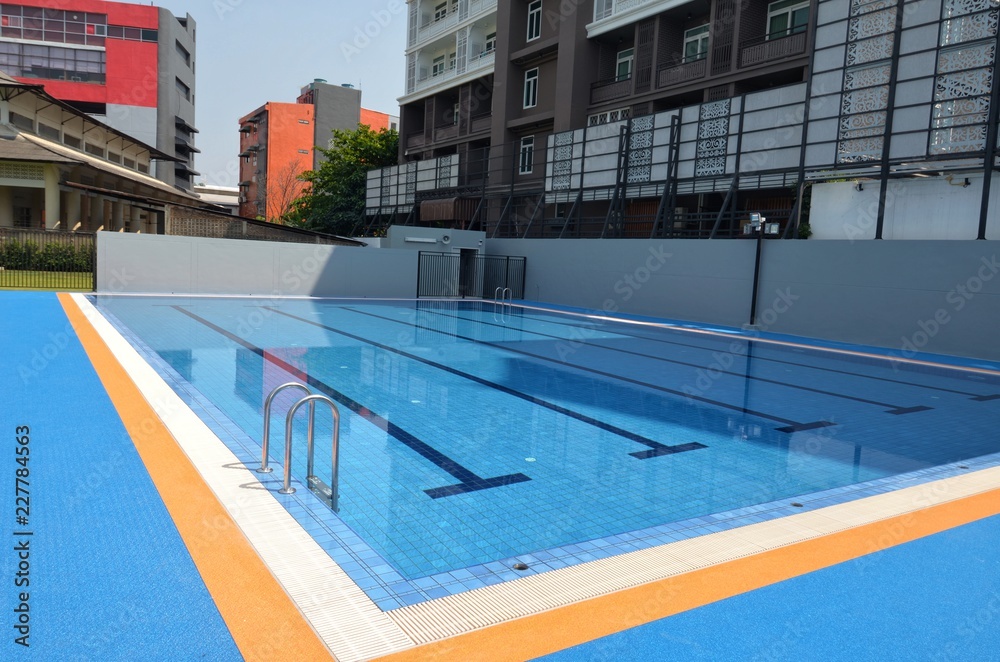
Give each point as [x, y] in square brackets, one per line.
[146, 534]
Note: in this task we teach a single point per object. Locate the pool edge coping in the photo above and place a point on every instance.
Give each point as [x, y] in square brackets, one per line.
[407, 628]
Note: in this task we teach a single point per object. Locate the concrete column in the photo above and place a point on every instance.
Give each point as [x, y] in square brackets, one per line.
[73, 207]
[52, 197]
[6, 207]
[136, 223]
[117, 216]
[96, 217]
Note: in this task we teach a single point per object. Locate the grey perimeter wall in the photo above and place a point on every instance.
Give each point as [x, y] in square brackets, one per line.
[908, 296]
[141, 263]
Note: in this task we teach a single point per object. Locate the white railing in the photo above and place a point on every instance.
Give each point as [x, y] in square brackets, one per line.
[609, 8]
[480, 62]
[433, 29]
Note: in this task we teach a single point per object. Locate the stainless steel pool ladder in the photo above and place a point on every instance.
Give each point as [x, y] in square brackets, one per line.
[502, 298]
[329, 493]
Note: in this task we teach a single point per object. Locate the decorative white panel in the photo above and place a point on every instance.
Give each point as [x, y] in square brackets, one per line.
[713, 135]
[562, 161]
[870, 50]
[868, 76]
[969, 28]
[967, 57]
[862, 7]
[960, 139]
[640, 154]
[871, 24]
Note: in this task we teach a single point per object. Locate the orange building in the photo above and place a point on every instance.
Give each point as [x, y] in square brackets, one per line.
[278, 143]
[276, 147]
[377, 120]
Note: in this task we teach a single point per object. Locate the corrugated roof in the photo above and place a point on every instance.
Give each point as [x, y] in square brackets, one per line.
[14, 147]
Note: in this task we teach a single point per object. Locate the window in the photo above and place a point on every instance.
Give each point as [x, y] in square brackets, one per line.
[437, 68]
[440, 11]
[491, 43]
[183, 53]
[22, 217]
[452, 60]
[696, 43]
[183, 89]
[531, 88]
[786, 17]
[527, 155]
[454, 113]
[623, 70]
[52, 62]
[393, 126]
[535, 20]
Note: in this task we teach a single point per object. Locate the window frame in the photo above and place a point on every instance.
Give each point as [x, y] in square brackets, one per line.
[534, 21]
[789, 10]
[530, 89]
[696, 35]
[439, 60]
[625, 56]
[491, 43]
[526, 155]
[440, 11]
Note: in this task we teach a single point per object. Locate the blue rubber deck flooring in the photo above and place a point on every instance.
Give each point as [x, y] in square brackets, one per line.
[936, 598]
[108, 576]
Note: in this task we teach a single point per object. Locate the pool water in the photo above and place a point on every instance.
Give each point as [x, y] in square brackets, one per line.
[471, 434]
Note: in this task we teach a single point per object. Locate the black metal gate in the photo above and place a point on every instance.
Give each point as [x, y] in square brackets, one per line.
[469, 274]
[46, 259]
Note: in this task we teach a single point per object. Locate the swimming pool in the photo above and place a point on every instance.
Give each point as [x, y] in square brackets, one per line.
[472, 435]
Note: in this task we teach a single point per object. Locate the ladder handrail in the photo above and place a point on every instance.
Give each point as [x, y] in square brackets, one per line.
[311, 479]
[265, 442]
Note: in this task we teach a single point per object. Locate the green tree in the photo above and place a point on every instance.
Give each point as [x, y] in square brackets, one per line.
[335, 199]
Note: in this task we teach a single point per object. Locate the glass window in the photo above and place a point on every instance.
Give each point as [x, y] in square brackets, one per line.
[440, 11]
[623, 70]
[527, 159]
[787, 17]
[491, 42]
[437, 68]
[452, 60]
[535, 20]
[531, 88]
[696, 43]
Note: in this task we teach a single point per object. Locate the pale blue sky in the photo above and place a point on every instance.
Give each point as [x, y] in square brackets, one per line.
[253, 51]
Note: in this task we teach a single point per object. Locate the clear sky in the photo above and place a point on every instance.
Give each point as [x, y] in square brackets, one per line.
[253, 51]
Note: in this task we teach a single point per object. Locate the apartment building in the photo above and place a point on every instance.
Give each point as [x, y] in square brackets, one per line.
[130, 66]
[278, 143]
[616, 118]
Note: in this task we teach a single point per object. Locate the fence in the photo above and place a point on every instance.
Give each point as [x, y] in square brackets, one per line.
[49, 260]
[469, 275]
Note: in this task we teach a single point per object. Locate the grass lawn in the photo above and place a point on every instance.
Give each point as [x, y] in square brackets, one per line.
[46, 280]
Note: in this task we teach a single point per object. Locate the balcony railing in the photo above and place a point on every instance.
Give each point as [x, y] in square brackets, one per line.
[415, 140]
[446, 132]
[480, 62]
[682, 73]
[608, 8]
[432, 29]
[762, 49]
[481, 124]
[609, 90]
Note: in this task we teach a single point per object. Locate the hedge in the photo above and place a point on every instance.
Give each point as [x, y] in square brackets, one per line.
[28, 255]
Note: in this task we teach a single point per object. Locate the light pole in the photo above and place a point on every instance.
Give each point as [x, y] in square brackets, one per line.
[758, 225]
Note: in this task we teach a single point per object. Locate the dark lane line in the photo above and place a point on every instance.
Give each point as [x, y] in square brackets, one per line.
[469, 481]
[891, 408]
[595, 327]
[657, 449]
[791, 426]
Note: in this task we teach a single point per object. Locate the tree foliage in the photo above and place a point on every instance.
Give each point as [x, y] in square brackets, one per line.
[335, 200]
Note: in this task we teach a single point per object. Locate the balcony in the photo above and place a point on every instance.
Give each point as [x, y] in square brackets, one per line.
[415, 141]
[609, 90]
[682, 73]
[760, 50]
[443, 133]
[480, 63]
[612, 14]
[430, 29]
[479, 124]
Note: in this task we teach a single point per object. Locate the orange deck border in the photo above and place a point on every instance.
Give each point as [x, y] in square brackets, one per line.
[261, 617]
[564, 627]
